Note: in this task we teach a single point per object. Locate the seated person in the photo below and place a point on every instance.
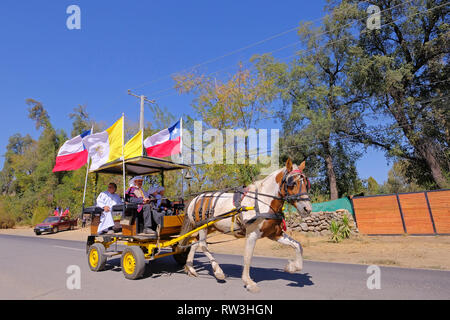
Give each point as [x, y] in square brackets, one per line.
[152, 192]
[163, 203]
[106, 200]
[152, 218]
[159, 192]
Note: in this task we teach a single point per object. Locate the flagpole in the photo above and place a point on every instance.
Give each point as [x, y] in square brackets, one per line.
[85, 180]
[182, 160]
[142, 141]
[87, 172]
[123, 155]
[181, 139]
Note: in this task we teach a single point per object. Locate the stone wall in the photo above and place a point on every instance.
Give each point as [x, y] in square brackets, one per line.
[318, 223]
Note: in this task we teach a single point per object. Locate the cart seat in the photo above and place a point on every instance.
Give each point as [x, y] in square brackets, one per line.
[95, 213]
[93, 210]
[128, 207]
[178, 206]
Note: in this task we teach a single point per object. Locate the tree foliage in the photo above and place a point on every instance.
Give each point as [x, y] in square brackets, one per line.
[30, 190]
[404, 67]
[240, 101]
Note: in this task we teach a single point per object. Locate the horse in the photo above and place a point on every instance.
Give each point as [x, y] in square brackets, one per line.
[267, 197]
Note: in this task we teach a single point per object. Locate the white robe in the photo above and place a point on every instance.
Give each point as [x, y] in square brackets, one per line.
[107, 199]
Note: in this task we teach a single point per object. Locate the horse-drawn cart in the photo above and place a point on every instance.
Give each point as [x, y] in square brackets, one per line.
[254, 213]
[139, 246]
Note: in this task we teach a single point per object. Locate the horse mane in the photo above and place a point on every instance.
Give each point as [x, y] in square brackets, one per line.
[259, 183]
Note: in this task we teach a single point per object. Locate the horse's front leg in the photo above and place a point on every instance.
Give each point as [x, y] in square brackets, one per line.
[297, 263]
[248, 253]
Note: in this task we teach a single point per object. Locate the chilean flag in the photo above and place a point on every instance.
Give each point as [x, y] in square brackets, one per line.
[164, 143]
[73, 154]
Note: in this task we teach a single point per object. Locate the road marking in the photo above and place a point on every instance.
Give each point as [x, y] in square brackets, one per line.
[69, 248]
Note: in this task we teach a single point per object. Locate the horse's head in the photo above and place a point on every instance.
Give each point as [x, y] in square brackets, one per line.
[294, 187]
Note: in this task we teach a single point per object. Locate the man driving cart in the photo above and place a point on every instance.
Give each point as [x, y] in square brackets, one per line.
[153, 220]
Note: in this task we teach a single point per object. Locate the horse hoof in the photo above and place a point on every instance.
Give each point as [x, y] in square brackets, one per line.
[289, 269]
[253, 288]
[190, 272]
[219, 275]
[292, 267]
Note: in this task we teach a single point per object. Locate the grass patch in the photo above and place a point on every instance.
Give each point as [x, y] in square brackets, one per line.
[434, 267]
[386, 262]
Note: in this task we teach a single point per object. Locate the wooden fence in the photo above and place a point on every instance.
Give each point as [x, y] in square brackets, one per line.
[415, 213]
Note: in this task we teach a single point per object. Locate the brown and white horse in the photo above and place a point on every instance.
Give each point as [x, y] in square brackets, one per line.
[286, 184]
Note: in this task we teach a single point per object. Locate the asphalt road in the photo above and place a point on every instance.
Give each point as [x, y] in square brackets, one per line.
[35, 268]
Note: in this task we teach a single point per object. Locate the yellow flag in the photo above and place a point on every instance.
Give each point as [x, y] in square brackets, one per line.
[133, 148]
[115, 139]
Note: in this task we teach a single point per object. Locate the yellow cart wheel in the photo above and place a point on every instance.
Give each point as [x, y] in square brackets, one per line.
[96, 257]
[133, 263]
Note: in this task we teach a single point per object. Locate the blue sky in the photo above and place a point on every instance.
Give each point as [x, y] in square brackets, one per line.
[125, 44]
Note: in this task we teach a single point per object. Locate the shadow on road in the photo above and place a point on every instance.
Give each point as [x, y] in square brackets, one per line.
[167, 266]
[153, 269]
[234, 272]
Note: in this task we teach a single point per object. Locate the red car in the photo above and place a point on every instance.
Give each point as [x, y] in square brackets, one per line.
[55, 224]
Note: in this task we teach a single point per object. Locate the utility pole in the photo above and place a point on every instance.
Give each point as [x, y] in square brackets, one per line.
[143, 99]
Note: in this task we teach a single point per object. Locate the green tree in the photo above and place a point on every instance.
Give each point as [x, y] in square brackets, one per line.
[17, 146]
[404, 67]
[38, 114]
[80, 120]
[398, 181]
[372, 186]
[238, 102]
[44, 182]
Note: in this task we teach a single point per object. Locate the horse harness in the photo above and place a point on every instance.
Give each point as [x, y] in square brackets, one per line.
[288, 180]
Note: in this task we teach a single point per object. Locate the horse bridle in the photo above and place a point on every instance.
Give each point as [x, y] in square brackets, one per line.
[289, 181]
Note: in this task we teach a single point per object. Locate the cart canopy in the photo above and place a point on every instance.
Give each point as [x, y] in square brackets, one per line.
[142, 165]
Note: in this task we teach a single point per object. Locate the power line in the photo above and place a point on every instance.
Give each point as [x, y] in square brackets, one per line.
[340, 137]
[303, 51]
[250, 46]
[375, 130]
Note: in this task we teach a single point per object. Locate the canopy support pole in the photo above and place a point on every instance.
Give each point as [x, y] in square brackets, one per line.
[182, 183]
[95, 188]
[123, 155]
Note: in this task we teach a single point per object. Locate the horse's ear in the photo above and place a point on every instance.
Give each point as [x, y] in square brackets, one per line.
[302, 166]
[289, 165]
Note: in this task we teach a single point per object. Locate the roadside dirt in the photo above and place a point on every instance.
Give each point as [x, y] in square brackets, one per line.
[429, 252]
